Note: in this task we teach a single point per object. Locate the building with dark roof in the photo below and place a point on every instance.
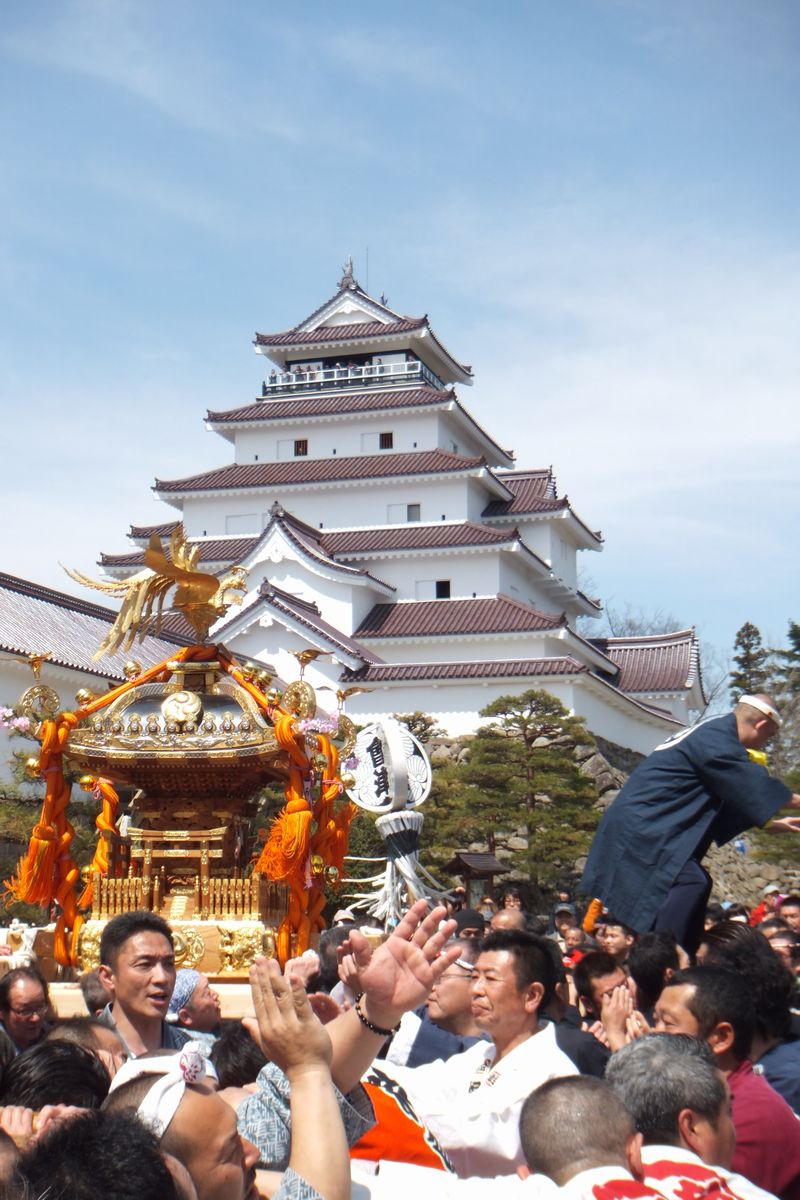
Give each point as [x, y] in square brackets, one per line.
[65, 632]
[382, 524]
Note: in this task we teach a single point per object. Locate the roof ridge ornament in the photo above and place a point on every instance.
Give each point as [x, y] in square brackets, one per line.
[202, 598]
[348, 282]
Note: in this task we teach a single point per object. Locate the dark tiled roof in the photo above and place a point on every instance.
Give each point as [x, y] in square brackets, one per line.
[449, 618]
[664, 662]
[212, 550]
[147, 531]
[501, 669]
[34, 619]
[340, 333]
[341, 545]
[413, 537]
[475, 864]
[331, 404]
[308, 614]
[532, 491]
[321, 470]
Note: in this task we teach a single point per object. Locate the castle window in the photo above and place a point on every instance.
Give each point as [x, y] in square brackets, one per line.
[442, 589]
[301, 448]
[413, 512]
[385, 441]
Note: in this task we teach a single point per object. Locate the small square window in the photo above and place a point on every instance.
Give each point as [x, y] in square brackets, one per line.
[385, 441]
[301, 448]
[442, 589]
[413, 512]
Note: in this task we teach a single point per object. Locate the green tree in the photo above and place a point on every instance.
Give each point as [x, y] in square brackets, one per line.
[751, 661]
[784, 750]
[520, 774]
[423, 727]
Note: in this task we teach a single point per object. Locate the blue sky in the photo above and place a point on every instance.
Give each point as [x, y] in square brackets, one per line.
[596, 202]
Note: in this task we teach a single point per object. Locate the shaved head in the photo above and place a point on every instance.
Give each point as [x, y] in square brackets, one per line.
[574, 1124]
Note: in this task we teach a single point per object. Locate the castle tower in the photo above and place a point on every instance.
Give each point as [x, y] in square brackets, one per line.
[382, 524]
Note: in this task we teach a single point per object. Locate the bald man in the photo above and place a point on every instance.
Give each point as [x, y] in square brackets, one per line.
[700, 787]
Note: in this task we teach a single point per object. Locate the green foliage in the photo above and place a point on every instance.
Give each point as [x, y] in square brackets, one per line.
[519, 774]
[751, 671]
[18, 815]
[423, 727]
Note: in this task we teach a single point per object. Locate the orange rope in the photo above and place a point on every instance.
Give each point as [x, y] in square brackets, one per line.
[300, 832]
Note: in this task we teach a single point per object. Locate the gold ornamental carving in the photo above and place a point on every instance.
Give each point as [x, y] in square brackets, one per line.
[189, 946]
[241, 945]
[300, 698]
[89, 946]
[39, 702]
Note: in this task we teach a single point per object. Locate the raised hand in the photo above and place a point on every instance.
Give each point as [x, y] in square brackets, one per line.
[399, 975]
[288, 1032]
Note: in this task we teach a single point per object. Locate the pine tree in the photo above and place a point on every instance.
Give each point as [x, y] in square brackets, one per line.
[784, 750]
[751, 659]
[520, 774]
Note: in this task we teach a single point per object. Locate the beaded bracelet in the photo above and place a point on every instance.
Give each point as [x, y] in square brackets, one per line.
[365, 1021]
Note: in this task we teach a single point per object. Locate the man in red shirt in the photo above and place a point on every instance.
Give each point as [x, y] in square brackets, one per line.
[680, 1105]
[714, 1004]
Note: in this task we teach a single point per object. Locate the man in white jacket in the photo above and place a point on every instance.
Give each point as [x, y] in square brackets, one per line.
[472, 1102]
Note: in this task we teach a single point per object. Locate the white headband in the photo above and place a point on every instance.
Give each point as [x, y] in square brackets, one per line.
[763, 707]
[175, 1072]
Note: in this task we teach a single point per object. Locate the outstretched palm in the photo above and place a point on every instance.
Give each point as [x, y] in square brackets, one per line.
[399, 975]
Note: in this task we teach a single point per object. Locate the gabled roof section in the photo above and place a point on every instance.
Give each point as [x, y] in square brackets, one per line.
[533, 492]
[455, 618]
[308, 542]
[307, 614]
[352, 316]
[305, 539]
[344, 544]
[34, 619]
[298, 471]
[652, 663]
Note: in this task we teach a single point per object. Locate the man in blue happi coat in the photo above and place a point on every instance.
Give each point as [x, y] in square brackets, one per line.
[699, 787]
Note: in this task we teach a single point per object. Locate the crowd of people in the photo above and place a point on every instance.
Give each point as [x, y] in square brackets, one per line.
[613, 1054]
[471, 1044]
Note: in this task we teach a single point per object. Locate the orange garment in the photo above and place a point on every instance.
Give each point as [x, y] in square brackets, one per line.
[398, 1134]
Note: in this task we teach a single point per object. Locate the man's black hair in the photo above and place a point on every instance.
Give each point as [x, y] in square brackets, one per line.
[327, 976]
[20, 973]
[236, 1056]
[78, 1030]
[126, 925]
[651, 956]
[738, 948]
[55, 1073]
[573, 1124]
[612, 920]
[771, 925]
[593, 965]
[792, 900]
[97, 1154]
[533, 961]
[720, 995]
